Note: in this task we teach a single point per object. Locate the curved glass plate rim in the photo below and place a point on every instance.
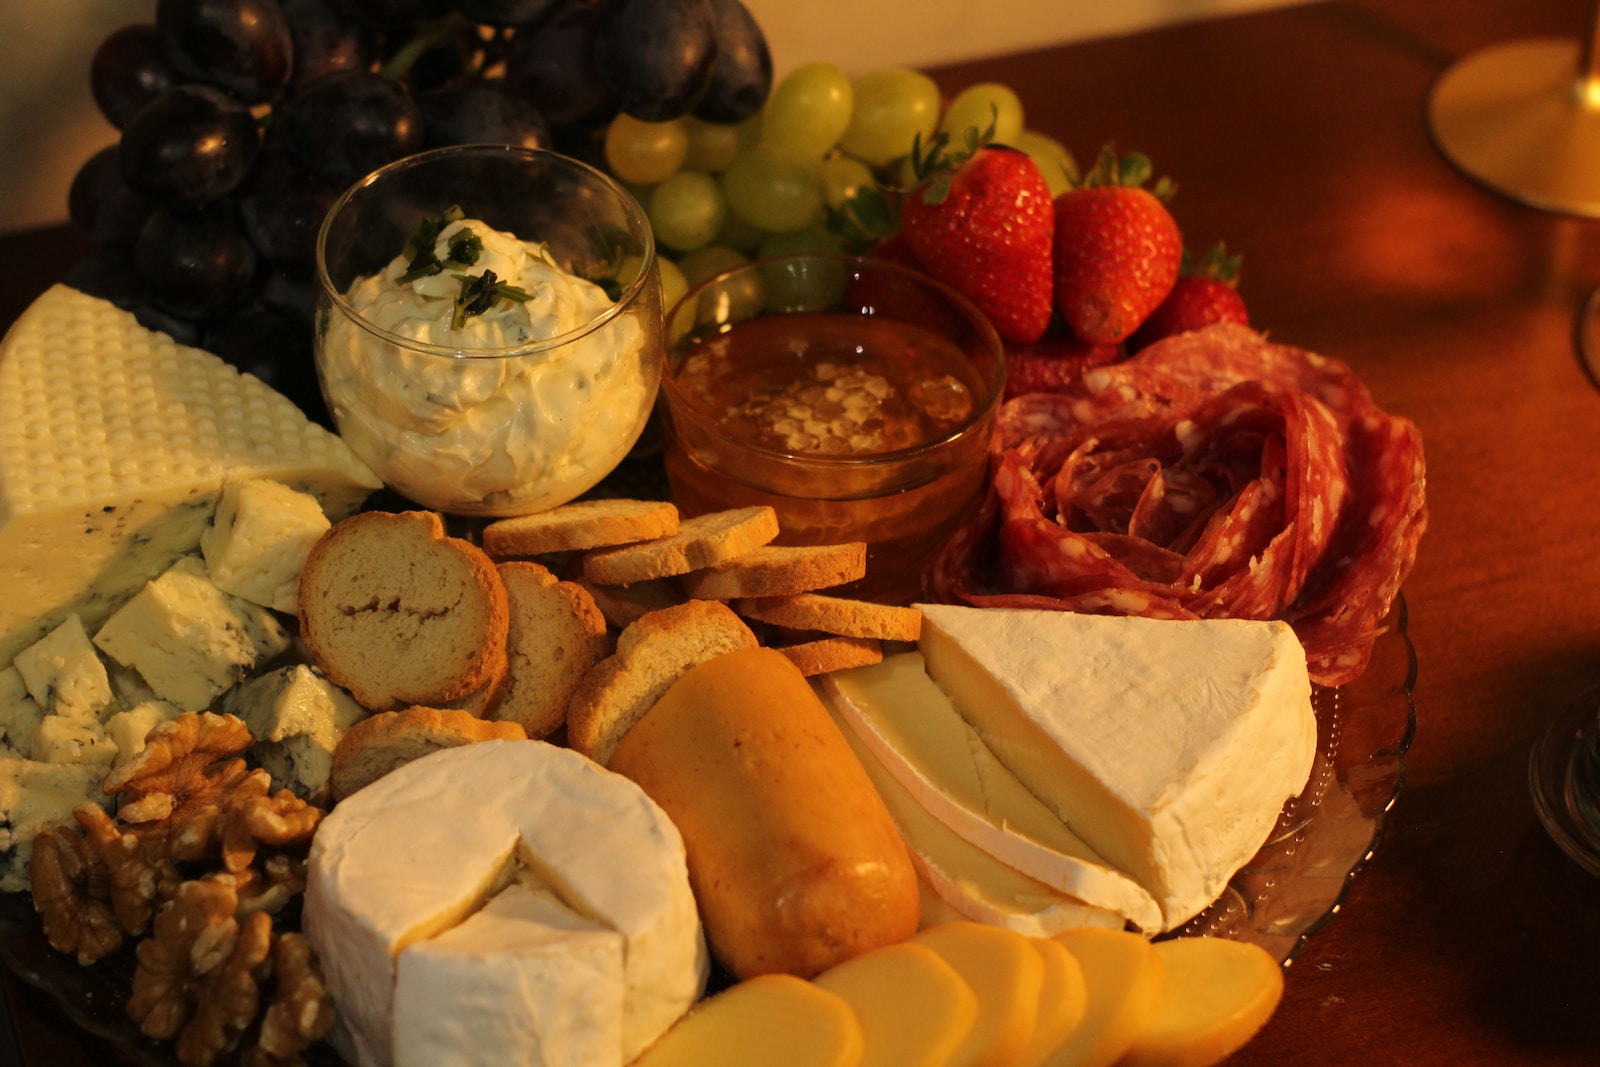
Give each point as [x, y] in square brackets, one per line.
[1551, 783]
[18, 921]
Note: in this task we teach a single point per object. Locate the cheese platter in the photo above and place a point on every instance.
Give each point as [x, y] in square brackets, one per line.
[1155, 590]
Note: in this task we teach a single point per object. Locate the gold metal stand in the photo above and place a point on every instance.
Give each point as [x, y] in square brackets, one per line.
[1524, 119]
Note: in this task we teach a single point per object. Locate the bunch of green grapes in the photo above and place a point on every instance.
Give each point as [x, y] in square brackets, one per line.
[797, 176]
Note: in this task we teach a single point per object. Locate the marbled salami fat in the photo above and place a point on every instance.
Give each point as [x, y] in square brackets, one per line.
[1213, 475]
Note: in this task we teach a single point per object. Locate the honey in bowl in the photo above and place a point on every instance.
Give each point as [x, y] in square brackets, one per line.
[854, 396]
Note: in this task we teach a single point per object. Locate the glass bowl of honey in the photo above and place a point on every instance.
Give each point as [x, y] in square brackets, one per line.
[854, 396]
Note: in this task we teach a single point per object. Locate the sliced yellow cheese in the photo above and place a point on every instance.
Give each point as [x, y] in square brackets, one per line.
[776, 1020]
[1216, 995]
[1007, 974]
[1062, 1000]
[915, 1010]
[1121, 973]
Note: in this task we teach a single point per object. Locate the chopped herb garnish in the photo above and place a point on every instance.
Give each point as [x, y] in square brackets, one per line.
[465, 247]
[480, 293]
[423, 263]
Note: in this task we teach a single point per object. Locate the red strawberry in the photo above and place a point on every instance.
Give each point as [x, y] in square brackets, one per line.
[984, 228]
[1117, 249]
[1203, 296]
[1053, 362]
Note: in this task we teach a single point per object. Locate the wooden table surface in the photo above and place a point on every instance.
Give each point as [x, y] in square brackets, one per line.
[1299, 137]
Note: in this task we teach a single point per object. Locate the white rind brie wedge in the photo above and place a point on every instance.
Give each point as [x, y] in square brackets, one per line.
[422, 849]
[908, 723]
[1169, 747]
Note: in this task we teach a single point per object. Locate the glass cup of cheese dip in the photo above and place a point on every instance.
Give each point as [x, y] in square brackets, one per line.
[854, 396]
[488, 326]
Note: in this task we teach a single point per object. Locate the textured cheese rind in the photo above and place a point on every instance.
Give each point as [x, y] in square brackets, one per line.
[426, 844]
[964, 876]
[908, 723]
[524, 982]
[114, 444]
[1170, 747]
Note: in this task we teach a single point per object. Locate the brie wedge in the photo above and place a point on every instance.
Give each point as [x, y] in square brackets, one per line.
[1169, 747]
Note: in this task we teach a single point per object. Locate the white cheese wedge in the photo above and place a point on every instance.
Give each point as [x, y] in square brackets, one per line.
[964, 876]
[909, 724]
[190, 641]
[256, 545]
[64, 674]
[114, 444]
[416, 852]
[524, 982]
[1170, 747]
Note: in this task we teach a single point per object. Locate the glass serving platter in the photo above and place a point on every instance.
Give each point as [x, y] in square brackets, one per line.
[1292, 887]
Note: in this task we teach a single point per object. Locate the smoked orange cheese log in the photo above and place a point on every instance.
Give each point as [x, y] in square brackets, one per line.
[794, 859]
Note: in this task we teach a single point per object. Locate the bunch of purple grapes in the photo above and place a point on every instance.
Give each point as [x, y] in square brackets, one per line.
[243, 120]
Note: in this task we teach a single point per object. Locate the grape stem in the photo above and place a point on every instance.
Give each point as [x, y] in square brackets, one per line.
[427, 35]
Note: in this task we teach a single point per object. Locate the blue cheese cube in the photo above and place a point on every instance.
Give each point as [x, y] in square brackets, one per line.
[297, 717]
[59, 739]
[64, 674]
[258, 541]
[34, 795]
[19, 715]
[190, 641]
[128, 729]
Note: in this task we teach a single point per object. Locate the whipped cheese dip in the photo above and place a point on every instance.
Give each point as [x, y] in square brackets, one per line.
[479, 416]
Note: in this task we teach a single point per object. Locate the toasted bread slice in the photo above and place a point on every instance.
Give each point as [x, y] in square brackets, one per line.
[826, 654]
[651, 654]
[581, 525]
[779, 570]
[702, 541]
[835, 615]
[379, 743]
[398, 613]
[557, 635]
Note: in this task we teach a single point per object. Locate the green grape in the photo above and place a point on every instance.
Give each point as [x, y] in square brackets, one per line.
[686, 210]
[843, 177]
[702, 263]
[979, 106]
[809, 110]
[893, 107]
[774, 188]
[644, 153]
[738, 234]
[1060, 170]
[712, 144]
[811, 284]
[673, 283]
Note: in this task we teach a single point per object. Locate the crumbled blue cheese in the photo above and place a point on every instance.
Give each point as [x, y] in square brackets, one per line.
[258, 542]
[128, 729]
[59, 739]
[64, 674]
[190, 641]
[34, 795]
[19, 715]
[297, 717]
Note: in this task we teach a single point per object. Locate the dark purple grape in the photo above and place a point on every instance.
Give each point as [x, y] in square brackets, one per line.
[108, 274]
[129, 69]
[393, 14]
[741, 75]
[325, 40]
[265, 341]
[292, 293]
[351, 123]
[448, 59]
[243, 46]
[656, 55]
[505, 12]
[282, 205]
[553, 66]
[181, 328]
[195, 262]
[475, 113]
[101, 204]
[188, 145]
